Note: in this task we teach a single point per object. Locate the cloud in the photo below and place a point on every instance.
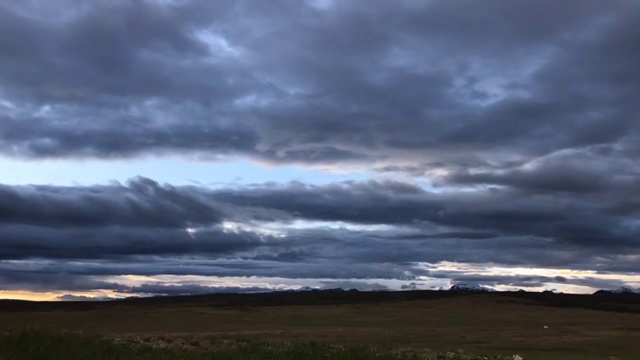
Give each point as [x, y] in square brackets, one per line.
[523, 144]
[71, 297]
[574, 221]
[52, 279]
[597, 170]
[356, 230]
[140, 203]
[356, 82]
[411, 286]
[22, 242]
[517, 281]
[191, 289]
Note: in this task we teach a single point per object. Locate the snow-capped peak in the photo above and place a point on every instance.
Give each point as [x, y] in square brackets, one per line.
[469, 287]
[621, 290]
[624, 290]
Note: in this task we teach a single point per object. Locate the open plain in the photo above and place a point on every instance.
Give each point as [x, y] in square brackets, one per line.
[535, 326]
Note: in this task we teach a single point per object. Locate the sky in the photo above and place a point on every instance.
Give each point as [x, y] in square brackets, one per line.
[171, 147]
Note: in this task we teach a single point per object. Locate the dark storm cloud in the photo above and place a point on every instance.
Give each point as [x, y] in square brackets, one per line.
[205, 266]
[143, 209]
[91, 50]
[161, 220]
[573, 220]
[140, 203]
[593, 171]
[390, 228]
[20, 242]
[463, 83]
[116, 138]
[28, 279]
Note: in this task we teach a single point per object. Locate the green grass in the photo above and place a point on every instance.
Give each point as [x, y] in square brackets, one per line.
[35, 344]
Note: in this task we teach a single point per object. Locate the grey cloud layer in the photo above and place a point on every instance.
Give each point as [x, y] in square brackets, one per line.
[388, 227]
[142, 203]
[464, 84]
[579, 221]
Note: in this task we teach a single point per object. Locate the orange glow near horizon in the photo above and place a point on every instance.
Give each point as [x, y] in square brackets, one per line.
[27, 295]
[47, 296]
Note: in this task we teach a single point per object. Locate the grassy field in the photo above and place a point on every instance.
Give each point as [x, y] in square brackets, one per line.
[354, 325]
[37, 344]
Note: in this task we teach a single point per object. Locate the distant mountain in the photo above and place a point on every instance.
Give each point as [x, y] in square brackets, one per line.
[305, 288]
[620, 291]
[469, 287]
[310, 289]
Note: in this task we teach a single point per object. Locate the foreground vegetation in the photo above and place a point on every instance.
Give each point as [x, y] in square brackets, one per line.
[34, 344]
